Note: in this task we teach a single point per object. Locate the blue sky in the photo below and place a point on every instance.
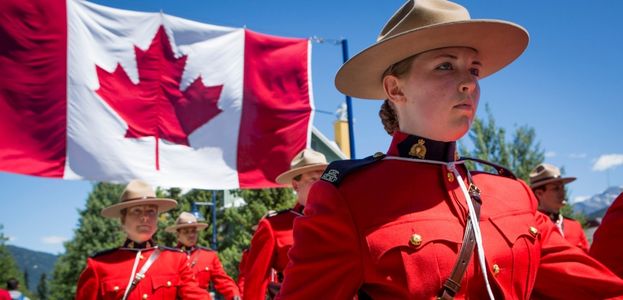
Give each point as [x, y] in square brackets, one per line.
[566, 86]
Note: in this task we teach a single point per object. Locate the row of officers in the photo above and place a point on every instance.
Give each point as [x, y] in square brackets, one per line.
[411, 223]
[140, 269]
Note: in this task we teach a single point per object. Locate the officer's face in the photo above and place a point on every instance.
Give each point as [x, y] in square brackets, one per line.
[438, 97]
[302, 186]
[140, 222]
[551, 199]
[188, 236]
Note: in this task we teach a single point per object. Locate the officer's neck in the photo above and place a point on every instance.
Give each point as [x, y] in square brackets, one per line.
[413, 146]
[131, 244]
[186, 248]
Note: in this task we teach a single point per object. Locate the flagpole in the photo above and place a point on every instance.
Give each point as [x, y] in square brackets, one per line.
[349, 103]
[214, 230]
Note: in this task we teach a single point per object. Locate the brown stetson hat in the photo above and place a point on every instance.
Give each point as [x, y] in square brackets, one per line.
[546, 173]
[138, 192]
[306, 161]
[185, 220]
[423, 25]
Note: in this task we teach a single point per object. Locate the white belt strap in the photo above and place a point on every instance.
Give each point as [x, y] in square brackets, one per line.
[127, 289]
[135, 279]
[475, 226]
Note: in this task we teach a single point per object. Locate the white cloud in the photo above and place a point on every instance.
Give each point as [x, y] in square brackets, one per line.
[608, 161]
[10, 238]
[577, 199]
[577, 155]
[53, 239]
[550, 154]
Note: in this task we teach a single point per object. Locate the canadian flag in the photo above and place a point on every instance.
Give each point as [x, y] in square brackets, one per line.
[92, 92]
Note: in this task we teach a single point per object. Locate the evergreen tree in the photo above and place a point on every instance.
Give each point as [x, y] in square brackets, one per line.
[8, 266]
[42, 287]
[26, 286]
[521, 154]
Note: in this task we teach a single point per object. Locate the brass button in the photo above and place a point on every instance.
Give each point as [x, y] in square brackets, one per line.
[533, 231]
[207, 269]
[141, 257]
[168, 283]
[496, 269]
[116, 288]
[450, 177]
[378, 154]
[415, 240]
[144, 296]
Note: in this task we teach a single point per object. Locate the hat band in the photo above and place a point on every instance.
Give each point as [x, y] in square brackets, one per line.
[546, 178]
[139, 198]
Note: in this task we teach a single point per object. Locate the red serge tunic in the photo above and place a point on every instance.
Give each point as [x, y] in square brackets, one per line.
[362, 219]
[572, 230]
[207, 267]
[108, 273]
[268, 251]
[608, 239]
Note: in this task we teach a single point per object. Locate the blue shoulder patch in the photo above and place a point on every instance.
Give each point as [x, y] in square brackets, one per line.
[339, 169]
[502, 171]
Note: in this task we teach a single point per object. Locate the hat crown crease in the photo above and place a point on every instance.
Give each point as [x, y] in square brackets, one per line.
[418, 14]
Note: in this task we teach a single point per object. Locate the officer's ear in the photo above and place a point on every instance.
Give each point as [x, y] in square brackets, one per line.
[538, 192]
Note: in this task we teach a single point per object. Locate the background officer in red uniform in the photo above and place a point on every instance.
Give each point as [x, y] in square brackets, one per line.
[139, 269]
[607, 244]
[268, 253]
[549, 188]
[203, 261]
[415, 224]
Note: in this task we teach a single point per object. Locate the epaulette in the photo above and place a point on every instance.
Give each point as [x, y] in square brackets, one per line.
[337, 170]
[100, 253]
[502, 171]
[204, 248]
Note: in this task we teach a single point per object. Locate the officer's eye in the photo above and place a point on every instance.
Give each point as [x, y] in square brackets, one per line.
[445, 66]
[475, 71]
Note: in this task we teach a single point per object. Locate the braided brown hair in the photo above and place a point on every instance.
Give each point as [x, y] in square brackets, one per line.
[388, 115]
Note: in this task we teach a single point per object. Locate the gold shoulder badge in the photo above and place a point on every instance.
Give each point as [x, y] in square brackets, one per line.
[418, 150]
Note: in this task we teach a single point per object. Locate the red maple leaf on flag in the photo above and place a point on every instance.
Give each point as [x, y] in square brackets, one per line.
[156, 106]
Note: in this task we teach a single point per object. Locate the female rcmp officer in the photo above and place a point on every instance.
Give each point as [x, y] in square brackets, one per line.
[394, 226]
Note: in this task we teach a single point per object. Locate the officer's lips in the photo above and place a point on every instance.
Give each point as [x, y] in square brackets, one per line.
[466, 105]
[143, 228]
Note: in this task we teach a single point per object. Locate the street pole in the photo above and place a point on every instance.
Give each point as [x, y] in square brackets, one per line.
[349, 105]
[214, 229]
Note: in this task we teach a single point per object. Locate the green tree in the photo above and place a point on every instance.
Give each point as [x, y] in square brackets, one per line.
[8, 266]
[521, 153]
[26, 277]
[42, 287]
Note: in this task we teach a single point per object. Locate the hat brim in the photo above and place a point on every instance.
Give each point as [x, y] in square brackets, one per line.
[114, 211]
[564, 180]
[497, 42]
[174, 228]
[286, 177]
